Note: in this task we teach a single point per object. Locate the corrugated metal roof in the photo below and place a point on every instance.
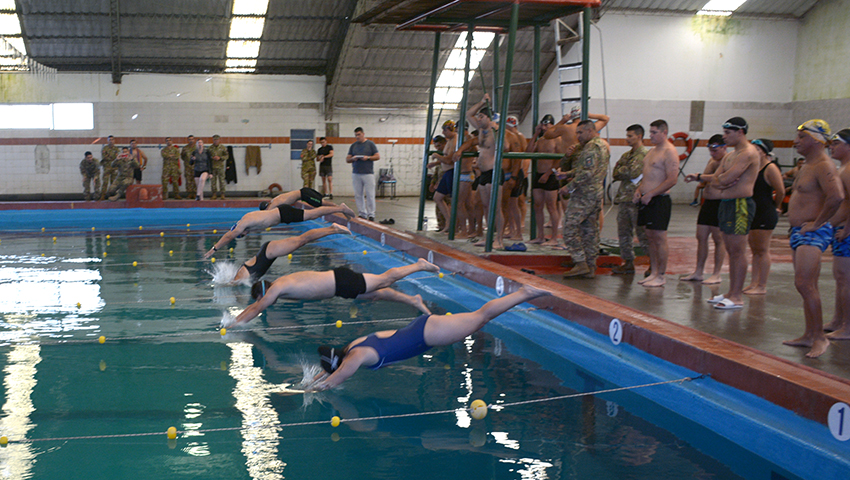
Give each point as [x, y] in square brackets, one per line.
[366, 65]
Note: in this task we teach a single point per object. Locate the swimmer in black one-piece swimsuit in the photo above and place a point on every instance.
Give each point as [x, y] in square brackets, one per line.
[256, 267]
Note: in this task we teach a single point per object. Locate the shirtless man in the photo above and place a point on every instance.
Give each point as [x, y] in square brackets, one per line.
[565, 129]
[840, 324]
[733, 181]
[259, 264]
[425, 332]
[262, 219]
[514, 177]
[467, 202]
[545, 185]
[447, 165]
[307, 195]
[707, 224]
[339, 282]
[816, 197]
[660, 173]
[515, 202]
[480, 118]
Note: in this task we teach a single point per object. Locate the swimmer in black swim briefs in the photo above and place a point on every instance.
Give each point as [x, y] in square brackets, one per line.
[389, 346]
[262, 219]
[307, 195]
[341, 281]
[258, 265]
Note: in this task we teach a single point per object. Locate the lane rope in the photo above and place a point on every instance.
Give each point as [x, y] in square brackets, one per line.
[280, 426]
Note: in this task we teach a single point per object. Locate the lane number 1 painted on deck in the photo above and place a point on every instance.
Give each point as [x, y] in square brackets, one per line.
[839, 421]
[615, 331]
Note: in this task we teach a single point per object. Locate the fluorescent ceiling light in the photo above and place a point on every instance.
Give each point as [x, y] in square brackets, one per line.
[720, 7]
[243, 49]
[247, 27]
[250, 7]
[7, 5]
[240, 62]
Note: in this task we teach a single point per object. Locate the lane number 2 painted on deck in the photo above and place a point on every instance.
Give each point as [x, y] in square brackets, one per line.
[839, 421]
[615, 331]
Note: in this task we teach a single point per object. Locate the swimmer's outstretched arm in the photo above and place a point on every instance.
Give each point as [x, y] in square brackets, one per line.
[352, 362]
[257, 307]
[225, 239]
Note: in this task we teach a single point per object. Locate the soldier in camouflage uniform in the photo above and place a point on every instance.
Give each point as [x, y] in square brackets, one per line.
[188, 169]
[170, 168]
[90, 170]
[125, 165]
[581, 220]
[108, 154]
[628, 171]
[218, 155]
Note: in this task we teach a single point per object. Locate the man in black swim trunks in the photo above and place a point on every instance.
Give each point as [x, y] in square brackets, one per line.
[262, 219]
[425, 332]
[340, 282]
[307, 195]
[259, 264]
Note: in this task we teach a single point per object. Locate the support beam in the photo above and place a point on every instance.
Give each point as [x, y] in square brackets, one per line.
[500, 140]
[115, 31]
[435, 65]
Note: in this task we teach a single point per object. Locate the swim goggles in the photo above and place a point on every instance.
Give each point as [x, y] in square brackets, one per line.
[838, 138]
[732, 126]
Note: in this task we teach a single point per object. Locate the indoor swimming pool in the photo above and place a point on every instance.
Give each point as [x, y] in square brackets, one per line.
[76, 407]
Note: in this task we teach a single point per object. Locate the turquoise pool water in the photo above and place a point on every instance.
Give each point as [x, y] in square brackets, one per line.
[168, 365]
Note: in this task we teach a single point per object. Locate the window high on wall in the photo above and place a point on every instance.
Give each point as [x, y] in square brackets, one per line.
[53, 116]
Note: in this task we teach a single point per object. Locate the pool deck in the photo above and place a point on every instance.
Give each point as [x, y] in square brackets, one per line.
[740, 348]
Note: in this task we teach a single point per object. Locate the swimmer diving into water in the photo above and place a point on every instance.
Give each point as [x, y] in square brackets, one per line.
[307, 195]
[261, 219]
[259, 264]
[340, 282]
[425, 332]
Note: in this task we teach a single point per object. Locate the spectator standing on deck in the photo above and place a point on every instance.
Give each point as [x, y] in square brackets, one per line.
[362, 155]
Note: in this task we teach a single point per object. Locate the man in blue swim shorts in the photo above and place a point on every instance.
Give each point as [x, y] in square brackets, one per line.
[840, 325]
[262, 219]
[425, 332]
[339, 282]
[816, 196]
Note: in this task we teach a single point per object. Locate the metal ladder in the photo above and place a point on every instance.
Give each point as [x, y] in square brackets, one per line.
[569, 67]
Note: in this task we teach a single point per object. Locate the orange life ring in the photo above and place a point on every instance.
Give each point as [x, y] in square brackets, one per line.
[689, 144]
[274, 186]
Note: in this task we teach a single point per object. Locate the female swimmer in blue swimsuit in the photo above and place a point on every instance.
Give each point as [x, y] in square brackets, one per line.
[382, 348]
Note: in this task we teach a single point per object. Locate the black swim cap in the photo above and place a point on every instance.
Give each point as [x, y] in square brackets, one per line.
[264, 205]
[547, 120]
[764, 144]
[716, 140]
[736, 123]
[330, 357]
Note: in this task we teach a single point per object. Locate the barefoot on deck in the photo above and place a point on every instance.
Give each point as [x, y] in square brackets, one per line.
[693, 277]
[712, 280]
[819, 348]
